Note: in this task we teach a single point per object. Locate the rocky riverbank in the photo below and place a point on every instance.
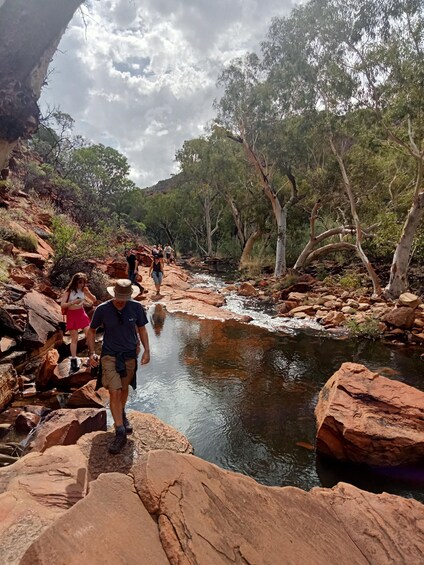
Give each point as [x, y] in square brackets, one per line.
[156, 503]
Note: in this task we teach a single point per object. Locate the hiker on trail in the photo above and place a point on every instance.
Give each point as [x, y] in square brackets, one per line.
[123, 321]
[156, 271]
[72, 302]
[132, 268]
[168, 253]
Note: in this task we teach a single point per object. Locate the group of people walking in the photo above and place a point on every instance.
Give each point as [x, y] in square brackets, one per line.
[123, 321]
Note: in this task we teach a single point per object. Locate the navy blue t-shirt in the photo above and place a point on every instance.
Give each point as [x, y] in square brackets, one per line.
[120, 325]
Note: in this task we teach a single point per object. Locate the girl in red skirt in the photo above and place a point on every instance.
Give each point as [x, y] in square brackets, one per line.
[73, 299]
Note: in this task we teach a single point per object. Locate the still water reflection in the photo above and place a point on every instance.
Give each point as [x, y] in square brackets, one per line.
[245, 398]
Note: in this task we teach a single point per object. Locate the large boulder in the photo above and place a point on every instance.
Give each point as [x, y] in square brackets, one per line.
[66, 426]
[208, 515]
[110, 526]
[44, 316]
[364, 417]
[400, 317]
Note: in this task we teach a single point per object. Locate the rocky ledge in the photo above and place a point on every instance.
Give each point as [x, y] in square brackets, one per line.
[77, 504]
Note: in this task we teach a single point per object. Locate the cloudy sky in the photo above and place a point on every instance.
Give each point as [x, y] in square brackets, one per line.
[140, 75]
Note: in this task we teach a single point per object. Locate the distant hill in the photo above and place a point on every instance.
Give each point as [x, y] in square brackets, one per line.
[164, 186]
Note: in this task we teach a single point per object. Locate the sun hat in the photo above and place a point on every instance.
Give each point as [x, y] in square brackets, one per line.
[123, 290]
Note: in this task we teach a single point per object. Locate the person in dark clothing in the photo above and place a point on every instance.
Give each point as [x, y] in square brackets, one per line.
[132, 268]
[124, 321]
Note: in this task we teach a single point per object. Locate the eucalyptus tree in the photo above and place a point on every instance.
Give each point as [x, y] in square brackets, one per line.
[366, 54]
[247, 112]
[310, 73]
[219, 164]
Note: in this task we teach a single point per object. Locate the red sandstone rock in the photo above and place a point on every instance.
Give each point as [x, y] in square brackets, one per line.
[207, 515]
[64, 379]
[110, 526]
[65, 427]
[47, 290]
[246, 289]
[148, 433]
[401, 317]
[366, 418]
[25, 280]
[34, 258]
[382, 526]
[26, 421]
[47, 367]
[88, 397]
[409, 299]
[8, 384]
[34, 492]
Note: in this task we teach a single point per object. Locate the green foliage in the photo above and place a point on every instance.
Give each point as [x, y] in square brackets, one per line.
[369, 328]
[351, 281]
[4, 270]
[19, 238]
[74, 249]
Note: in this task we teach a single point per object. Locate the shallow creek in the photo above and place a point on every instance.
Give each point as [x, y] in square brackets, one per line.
[244, 396]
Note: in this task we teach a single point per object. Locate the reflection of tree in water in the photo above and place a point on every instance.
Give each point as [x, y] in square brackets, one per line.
[157, 319]
[225, 350]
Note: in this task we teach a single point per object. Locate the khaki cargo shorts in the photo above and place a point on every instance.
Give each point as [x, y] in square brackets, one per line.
[111, 379]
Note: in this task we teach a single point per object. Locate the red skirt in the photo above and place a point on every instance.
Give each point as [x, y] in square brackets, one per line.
[77, 319]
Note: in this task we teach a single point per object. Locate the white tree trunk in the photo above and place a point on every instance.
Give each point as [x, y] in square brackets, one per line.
[358, 243]
[398, 281]
[247, 250]
[280, 253]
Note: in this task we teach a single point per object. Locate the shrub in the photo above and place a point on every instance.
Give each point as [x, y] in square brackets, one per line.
[350, 282]
[4, 270]
[75, 249]
[369, 328]
[21, 240]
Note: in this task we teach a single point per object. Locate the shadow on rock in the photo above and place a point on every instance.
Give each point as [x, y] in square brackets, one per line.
[101, 461]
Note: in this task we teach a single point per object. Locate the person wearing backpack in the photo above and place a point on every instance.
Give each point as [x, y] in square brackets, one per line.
[72, 303]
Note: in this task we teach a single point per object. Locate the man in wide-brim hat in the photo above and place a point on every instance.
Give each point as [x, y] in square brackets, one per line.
[123, 321]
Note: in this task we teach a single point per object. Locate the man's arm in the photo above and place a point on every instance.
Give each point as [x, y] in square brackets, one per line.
[91, 342]
[144, 338]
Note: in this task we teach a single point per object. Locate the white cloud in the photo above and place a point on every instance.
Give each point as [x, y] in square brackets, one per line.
[140, 75]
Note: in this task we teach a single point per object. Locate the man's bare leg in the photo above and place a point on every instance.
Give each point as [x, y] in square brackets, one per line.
[116, 406]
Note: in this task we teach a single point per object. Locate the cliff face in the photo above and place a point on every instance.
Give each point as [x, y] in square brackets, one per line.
[30, 31]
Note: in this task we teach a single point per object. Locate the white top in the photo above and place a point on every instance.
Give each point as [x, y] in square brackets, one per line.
[73, 295]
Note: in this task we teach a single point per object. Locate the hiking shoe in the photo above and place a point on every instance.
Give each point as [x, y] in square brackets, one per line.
[74, 366]
[118, 444]
[128, 426]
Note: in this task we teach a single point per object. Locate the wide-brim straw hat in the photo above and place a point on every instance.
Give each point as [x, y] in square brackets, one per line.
[123, 290]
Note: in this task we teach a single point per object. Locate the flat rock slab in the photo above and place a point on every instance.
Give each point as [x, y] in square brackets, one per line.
[110, 526]
[148, 433]
[210, 516]
[367, 418]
